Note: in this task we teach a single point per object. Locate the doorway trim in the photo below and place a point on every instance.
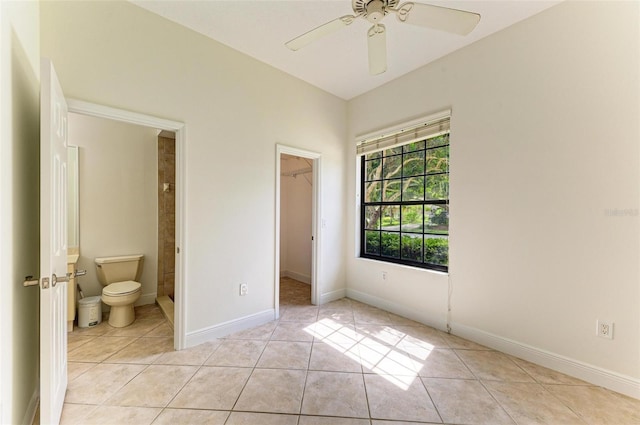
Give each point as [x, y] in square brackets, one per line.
[315, 228]
[102, 111]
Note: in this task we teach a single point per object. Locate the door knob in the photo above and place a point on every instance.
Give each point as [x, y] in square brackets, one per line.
[55, 279]
[30, 281]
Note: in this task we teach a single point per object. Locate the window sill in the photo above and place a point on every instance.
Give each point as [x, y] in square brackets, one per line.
[401, 266]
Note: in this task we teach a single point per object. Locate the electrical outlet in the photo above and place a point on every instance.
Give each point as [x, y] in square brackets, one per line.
[244, 289]
[604, 329]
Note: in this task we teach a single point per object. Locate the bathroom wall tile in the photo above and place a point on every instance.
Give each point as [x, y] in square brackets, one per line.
[241, 353]
[191, 416]
[169, 259]
[493, 365]
[465, 402]
[169, 284]
[335, 394]
[531, 404]
[272, 390]
[161, 144]
[109, 415]
[170, 226]
[153, 387]
[169, 200]
[100, 382]
[285, 355]
[143, 351]
[244, 418]
[99, 349]
[400, 398]
[169, 146]
[169, 166]
[212, 388]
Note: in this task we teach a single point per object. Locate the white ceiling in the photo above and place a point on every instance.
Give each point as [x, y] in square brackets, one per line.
[337, 63]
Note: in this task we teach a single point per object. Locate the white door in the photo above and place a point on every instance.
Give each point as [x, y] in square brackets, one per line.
[53, 245]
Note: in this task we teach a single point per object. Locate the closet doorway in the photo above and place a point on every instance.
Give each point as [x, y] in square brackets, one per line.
[297, 238]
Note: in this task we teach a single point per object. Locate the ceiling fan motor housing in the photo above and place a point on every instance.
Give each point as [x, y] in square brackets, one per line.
[373, 10]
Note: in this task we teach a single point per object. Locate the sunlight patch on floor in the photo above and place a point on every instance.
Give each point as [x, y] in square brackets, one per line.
[388, 352]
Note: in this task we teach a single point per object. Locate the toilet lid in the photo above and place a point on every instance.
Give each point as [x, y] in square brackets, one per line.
[121, 288]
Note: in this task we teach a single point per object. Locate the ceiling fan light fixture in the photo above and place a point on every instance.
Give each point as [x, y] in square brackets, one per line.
[425, 15]
[375, 11]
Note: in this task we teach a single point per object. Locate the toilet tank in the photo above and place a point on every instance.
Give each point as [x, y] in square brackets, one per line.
[119, 269]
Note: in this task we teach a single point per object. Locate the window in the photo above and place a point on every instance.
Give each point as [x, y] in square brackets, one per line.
[405, 196]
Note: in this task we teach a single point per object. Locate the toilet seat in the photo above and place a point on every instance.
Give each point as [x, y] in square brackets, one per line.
[121, 288]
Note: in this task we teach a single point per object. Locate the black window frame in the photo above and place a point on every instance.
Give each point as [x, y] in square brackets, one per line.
[402, 202]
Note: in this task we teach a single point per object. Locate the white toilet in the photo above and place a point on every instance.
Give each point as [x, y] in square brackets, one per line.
[119, 276]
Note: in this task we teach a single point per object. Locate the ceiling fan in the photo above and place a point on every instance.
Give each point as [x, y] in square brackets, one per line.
[440, 18]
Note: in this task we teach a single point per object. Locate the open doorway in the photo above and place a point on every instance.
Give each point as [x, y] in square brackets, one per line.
[296, 188]
[297, 238]
[177, 191]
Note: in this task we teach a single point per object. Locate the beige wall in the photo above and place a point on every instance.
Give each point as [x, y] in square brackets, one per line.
[118, 172]
[235, 110]
[19, 214]
[544, 146]
[295, 220]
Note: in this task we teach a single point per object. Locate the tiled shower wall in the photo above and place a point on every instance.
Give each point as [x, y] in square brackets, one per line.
[166, 213]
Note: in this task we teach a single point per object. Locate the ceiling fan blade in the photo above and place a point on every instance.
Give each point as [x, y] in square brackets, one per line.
[377, 37]
[321, 31]
[440, 18]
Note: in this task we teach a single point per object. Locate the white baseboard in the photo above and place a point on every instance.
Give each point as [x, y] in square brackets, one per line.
[418, 316]
[145, 299]
[297, 276]
[598, 376]
[332, 296]
[32, 408]
[226, 328]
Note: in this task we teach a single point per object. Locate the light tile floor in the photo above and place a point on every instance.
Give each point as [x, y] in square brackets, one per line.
[344, 363]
